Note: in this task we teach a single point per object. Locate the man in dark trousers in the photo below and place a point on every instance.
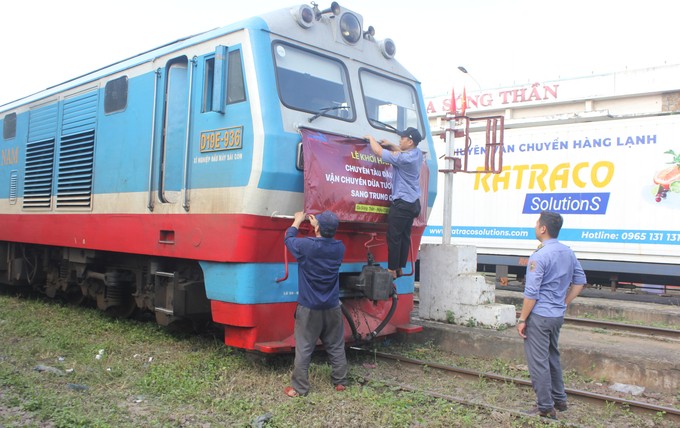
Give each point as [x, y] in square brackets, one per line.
[318, 314]
[406, 160]
[554, 278]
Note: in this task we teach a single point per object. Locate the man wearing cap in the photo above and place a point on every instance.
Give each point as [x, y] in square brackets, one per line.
[318, 314]
[406, 160]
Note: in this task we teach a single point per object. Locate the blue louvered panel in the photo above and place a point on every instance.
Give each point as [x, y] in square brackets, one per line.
[74, 176]
[76, 151]
[42, 123]
[80, 113]
[42, 130]
[39, 169]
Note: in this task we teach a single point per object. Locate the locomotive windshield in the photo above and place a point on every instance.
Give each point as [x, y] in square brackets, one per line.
[313, 83]
[390, 104]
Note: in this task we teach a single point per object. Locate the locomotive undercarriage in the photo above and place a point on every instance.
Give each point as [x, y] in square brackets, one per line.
[173, 291]
[119, 284]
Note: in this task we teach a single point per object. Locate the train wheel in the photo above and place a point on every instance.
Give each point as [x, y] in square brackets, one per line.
[118, 303]
[74, 296]
[124, 310]
[201, 324]
[181, 326]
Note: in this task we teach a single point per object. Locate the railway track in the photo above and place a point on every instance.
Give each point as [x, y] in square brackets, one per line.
[630, 328]
[656, 332]
[647, 410]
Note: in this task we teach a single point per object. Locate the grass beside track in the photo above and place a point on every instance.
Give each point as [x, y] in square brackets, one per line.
[96, 371]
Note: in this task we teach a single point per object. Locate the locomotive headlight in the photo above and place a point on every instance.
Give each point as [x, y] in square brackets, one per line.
[350, 28]
[388, 48]
[304, 15]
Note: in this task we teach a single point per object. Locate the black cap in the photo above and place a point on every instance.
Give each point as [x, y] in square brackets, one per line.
[411, 133]
[328, 222]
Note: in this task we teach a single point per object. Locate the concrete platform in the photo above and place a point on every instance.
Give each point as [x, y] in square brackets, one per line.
[604, 356]
[600, 307]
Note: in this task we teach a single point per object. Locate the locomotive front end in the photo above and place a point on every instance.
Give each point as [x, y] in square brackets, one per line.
[334, 83]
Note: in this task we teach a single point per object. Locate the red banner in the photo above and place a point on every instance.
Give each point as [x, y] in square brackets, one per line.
[343, 175]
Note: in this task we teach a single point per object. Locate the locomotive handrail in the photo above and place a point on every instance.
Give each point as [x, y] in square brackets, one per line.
[150, 203]
[285, 264]
[185, 179]
[275, 215]
[373, 235]
[285, 250]
[373, 238]
[413, 267]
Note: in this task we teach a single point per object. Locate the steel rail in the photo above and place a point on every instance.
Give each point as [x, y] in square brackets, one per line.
[471, 403]
[632, 328]
[667, 333]
[639, 407]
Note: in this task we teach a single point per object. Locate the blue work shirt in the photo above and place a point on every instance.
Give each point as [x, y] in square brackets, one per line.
[319, 261]
[406, 176]
[551, 270]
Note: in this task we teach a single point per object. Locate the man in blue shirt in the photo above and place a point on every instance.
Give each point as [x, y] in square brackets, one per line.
[554, 278]
[318, 314]
[407, 161]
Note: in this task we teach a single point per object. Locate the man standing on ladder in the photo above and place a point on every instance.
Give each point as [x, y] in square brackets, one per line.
[407, 160]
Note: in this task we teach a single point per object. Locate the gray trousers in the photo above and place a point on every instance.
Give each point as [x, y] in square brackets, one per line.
[310, 325]
[543, 359]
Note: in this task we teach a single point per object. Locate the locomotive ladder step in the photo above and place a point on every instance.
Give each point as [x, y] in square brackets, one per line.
[169, 295]
[165, 274]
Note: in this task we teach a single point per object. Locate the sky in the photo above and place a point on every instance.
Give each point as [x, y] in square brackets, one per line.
[499, 42]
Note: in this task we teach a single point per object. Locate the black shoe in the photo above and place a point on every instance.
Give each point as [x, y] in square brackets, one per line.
[561, 406]
[550, 414]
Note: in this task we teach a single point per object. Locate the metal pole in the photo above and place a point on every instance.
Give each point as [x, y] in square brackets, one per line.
[464, 70]
[448, 183]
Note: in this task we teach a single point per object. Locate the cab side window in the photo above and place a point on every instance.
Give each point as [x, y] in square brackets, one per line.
[116, 95]
[9, 126]
[223, 79]
[236, 89]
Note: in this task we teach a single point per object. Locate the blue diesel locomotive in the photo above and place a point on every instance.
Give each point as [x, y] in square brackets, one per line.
[165, 182]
